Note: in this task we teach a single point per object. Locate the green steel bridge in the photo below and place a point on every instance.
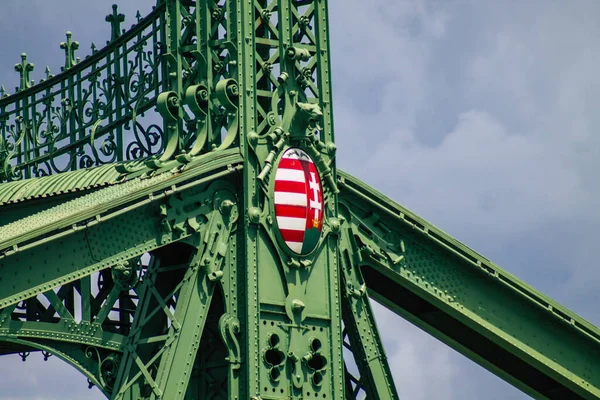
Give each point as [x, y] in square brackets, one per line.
[173, 225]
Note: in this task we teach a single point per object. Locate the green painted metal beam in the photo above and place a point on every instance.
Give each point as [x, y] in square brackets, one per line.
[34, 249]
[365, 343]
[225, 308]
[194, 299]
[471, 304]
[292, 304]
[198, 209]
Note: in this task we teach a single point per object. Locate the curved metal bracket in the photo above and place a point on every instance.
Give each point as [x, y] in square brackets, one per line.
[197, 97]
[168, 105]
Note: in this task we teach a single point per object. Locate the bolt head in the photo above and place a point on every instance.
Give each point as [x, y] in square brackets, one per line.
[253, 137]
[335, 225]
[254, 215]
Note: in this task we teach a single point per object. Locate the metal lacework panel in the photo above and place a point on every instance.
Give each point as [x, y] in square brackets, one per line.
[102, 110]
[90, 113]
[208, 56]
[297, 21]
[290, 43]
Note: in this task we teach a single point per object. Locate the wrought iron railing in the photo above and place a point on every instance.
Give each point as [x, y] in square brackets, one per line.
[182, 60]
[79, 118]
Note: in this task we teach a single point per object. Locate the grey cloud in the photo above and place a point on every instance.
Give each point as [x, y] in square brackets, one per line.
[37, 27]
[425, 369]
[487, 129]
[479, 116]
[36, 379]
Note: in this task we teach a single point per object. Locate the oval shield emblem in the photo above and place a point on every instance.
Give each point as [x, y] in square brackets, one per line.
[298, 201]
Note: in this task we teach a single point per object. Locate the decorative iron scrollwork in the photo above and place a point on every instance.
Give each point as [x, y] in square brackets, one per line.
[107, 367]
[81, 117]
[229, 328]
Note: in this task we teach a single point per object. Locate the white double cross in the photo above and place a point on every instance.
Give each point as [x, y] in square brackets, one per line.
[314, 201]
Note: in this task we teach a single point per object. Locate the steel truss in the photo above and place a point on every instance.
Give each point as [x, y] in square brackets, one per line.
[139, 239]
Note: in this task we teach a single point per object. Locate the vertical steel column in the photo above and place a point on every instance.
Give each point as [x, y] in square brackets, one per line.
[249, 262]
[366, 346]
[292, 322]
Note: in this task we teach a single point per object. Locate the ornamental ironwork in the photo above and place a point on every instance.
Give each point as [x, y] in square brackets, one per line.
[177, 227]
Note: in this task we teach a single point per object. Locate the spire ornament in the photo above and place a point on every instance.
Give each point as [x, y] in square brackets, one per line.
[24, 69]
[69, 47]
[115, 20]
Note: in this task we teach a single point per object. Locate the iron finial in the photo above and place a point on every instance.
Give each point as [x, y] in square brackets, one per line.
[69, 47]
[24, 69]
[115, 20]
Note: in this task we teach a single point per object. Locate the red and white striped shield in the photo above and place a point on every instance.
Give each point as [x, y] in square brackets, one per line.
[298, 201]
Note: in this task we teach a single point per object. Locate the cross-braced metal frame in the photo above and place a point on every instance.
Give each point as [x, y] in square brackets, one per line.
[140, 239]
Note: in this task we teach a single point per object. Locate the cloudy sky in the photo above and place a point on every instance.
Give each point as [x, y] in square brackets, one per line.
[480, 116]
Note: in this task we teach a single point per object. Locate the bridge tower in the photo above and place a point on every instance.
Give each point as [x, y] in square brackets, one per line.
[174, 226]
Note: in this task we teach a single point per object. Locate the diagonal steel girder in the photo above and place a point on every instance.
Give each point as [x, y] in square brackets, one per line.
[111, 226]
[39, 245]
[466, 301]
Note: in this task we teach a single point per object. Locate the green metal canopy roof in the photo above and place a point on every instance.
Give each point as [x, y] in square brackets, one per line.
[83, 179]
